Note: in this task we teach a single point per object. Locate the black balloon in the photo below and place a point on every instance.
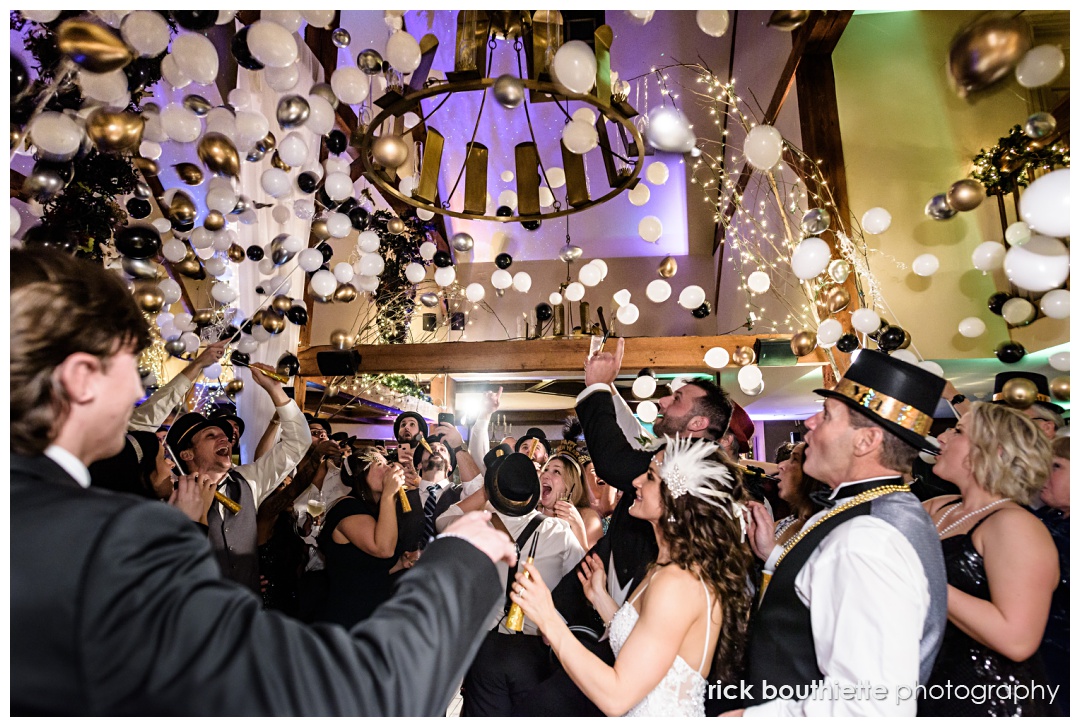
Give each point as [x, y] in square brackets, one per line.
[543, 312]
[348, 205]
[196, 19]
[326, 250]
[336, 141]
[531, 225]
[891, 338]
[307, 182]
[847, 343]
[255, 253]
[288, 364]
[359, 218]
[702, 311]
[138, 208]
[138, 242]
[503, 260]
[1010, 352]
[504, 211]
[53, 238]
[20, 78]
[324, 199]
[242, 53]
[297, 314]
[873, 335]
[442, 259]
[995, 302]
[238, 357]
[138, 75]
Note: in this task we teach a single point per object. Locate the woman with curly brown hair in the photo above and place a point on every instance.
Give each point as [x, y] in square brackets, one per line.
[689, 611]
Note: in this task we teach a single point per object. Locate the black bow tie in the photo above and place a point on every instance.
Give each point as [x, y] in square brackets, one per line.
[826, 500]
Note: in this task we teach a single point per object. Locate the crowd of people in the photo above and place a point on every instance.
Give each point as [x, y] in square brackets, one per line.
[872, 569]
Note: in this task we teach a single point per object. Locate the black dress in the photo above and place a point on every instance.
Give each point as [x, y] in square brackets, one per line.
[356, 583]
[980, 672]
[1055, 645]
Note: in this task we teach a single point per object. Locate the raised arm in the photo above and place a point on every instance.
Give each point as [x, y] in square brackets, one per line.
[156, 409]
[479, 434]
[377, 537]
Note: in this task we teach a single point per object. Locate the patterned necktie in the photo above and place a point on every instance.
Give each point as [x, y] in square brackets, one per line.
[429, 512]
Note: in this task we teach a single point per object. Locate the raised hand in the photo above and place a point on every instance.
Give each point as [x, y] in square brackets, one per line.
[451, 436]
[603, 367]
[193, 497]
[761, 530]
[593, 579]
[489, 401]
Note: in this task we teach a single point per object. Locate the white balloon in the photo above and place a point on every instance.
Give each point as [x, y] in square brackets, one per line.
[507, 175]
[367, 283]
[446, 276]
[428, 250]
[1045, 206]
[1018, 311]
[547, 199]
[641, 16]
[574, 66]
[902, 354]
[338, 225]
[425, 215]
[164, 319]
[350, 85]
[40, 16]
[170, 332]
[15, 220]
[1055, 304]
[691, 297]
[600, 265]
[266, 265]
[368, 241]
[318, 18]
[201, 238]
[275, 182]
[331, 165]
[190, 340]
[246, 344]
[372, 264]
[1017, 233]
[556, 177]
[501, 279]
[578, 137]
[988, 256]
[650, 228]
[415, 272]
[288, 19]
[622, 297]
[522, 282]
[750, 376]
[241, 99]
[403, 52]
[223, 293]
[933, 367]
[56, 134]
[865, 320]
[281, 213]
[212, 371]
[829, 332]
[271, 44]
[180, 123]
[214, 266]
[574, 292]
[260, 334]
[309, 260]
[323, 283]
[343, 272]
[338, 186]
[170, 290]
[1040, 66]
[320, 119]
[196, 57]
[717, 357]
[810, 258]
[222, 241]
[555, 298]
[589, 275]
[658, 291]
[1042, 263]
[508, 198]
[925, 265]
[584, 114]
[713, 22]
[639, 195]
[172, 74]
[876, 220]
[647, 411]
[174, 250]
[758, 282]
[972, 327]
[644, 387]
[282, 79]
[162, 225]
[1059, 361]
[251, 126]
[108, 88]
[669, 130]
[150, 150]
[293, 150]
[223, 199]
[224, 16]
[763, 146]
[475, 292]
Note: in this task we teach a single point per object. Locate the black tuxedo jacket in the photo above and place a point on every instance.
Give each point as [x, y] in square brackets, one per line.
[118, 608]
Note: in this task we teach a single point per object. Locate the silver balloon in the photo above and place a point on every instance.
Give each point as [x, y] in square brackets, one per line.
[341, 38]
[175, 347]
[620, 90]
[278, 253]
[292, 111]
[839, 270]
[1039, 125]
[938, 208]
[369, 61]
[429, 299]
[197, 105]
[255, 155]
[570, 253]
[141, 269]
[462, 242]
[43, 183]
[327, 93]
[816, 221]
[242, 204]
[142, 190]
[509, 91]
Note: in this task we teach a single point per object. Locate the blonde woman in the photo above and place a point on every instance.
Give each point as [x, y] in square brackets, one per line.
[1001, 562]
[563, 495]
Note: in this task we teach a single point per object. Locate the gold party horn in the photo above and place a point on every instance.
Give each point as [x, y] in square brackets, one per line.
[404, 495]
[272, 374]
[532, 447]
[424, 443]
[230, 505]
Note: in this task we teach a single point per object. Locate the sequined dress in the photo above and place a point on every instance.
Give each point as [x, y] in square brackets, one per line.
[681, 693]
[964, 661]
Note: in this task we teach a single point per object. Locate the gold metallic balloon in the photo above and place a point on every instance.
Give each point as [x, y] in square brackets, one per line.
[273, 321]
[267, 143]
[236, 253]
[148, 167]
[987, 51]
[1020, 392]
[219, 155]
[92, 46]
[803, 343]
[340, 339]
[742, 356]
[1059, 388]
[281, 303]
[234, 387]
[319, 229]
[332, 390]
[202, 317]
[907, 339]
[390, 151]
[114, 131]
[214, 221]
[668, 267]
[190, 268]
[788, 20]
[965, 195]
[148, 297]
[395, 225]
[839, 270]
[189, 173]
[257, 316]
[345, 293]
[182, 210]
[833, 300]
[276, 161]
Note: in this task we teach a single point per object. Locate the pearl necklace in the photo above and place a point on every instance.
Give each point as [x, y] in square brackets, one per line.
[966, 517]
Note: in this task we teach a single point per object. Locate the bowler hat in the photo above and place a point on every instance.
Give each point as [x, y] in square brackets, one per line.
[512, 485]
[893, 394]
[410, 415]
[186, 427]
[1043, 397]
[495, 453]
[534, 433]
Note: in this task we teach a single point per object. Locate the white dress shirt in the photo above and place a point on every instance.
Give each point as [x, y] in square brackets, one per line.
[868, 598]
[70, 464]
[152, 413]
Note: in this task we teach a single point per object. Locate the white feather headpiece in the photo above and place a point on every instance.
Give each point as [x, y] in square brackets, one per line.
[687, 469]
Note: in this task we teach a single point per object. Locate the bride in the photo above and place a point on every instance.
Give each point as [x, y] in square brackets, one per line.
[690, 609]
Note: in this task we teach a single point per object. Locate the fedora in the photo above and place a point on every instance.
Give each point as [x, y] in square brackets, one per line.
[512, 485]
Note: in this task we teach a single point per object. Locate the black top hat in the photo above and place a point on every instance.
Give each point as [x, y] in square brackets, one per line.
[1043, 397]
[893, 394]
[324, 423]
[534, 433]
[496, 453]
[187, 426]
[410, 415]
[513, 485]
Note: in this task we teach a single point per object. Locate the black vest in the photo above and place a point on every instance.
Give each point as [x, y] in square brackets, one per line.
[234, 537]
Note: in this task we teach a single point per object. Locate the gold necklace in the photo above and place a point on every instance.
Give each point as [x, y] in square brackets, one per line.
[797, 538]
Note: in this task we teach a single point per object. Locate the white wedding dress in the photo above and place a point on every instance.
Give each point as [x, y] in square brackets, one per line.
[681, 693]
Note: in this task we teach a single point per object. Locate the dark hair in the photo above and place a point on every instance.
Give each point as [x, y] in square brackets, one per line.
[418, 454]
[61, 306]
[804, 506]
[355, 472]
[896, 454]
[131, 470]
[783, 452]
[715, 406]
[705, 538]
